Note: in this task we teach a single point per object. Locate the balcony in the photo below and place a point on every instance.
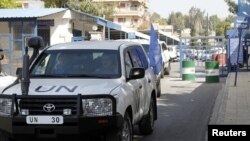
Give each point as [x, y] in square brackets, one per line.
[132, 11]
[145, 3]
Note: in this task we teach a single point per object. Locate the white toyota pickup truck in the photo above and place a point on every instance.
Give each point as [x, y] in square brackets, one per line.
[80, 89]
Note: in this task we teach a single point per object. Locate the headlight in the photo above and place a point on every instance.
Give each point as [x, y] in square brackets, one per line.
[5, 106]
[97, 107]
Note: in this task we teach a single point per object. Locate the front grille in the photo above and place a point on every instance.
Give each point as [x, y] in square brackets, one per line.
[35, 106]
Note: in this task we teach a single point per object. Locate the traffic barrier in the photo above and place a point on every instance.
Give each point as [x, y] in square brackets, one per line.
[214, 57]
[188, 70]
[222, 59]
[212, 72]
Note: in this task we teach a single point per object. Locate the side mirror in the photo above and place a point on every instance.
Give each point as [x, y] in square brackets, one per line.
[136, 73]
[1, 54]
[19, 73]
[36, 43]
[1, 57]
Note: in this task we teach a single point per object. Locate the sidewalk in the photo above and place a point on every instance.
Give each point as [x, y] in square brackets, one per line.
[232, 105]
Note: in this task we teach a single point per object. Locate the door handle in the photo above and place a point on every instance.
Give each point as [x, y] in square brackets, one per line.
[140, 86]
[149, 80]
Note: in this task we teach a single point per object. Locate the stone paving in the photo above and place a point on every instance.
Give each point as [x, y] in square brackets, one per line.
[232, 105]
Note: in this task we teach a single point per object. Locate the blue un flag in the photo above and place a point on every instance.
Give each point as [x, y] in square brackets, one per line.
[244, 8]
[155, 52]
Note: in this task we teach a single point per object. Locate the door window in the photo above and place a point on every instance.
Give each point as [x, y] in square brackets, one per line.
[128, 64]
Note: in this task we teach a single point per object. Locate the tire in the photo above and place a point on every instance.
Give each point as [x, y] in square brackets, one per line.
[146, 126]
[124, 134]
[159, 89]
[3, 137]
[162, 73]
[167, 70]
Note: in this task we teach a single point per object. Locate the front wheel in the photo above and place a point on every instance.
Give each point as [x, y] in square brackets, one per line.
[159, 89]
[146, 126]
[167, 70]
[124, 134]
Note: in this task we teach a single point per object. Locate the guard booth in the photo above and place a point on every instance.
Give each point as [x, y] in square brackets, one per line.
[201, 50]
[244, 51]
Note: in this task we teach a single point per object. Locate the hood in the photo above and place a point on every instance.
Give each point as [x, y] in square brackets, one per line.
[68, 86]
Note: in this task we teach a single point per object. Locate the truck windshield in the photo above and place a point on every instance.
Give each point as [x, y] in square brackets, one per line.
[77, 63]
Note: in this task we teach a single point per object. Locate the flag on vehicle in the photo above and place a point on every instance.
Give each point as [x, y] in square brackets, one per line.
[155, 52]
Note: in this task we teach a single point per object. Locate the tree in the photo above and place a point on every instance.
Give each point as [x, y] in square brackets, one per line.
[55, 3]
[144, 26]
[156, 18]
[197, 21]
[87, 6]
[9, 4]
[214, 21]
[233, 7]
[224, 25]
[177, 20]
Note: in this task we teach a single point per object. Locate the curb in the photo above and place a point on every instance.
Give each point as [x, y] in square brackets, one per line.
[218, 113]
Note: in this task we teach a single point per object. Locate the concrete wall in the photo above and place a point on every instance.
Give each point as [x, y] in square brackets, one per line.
[4, 27]
[61, 32]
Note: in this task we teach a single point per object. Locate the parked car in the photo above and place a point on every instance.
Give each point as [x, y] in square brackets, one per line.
[166, 58]
[207, 55]
[166, 67]
[84, 97]
[188, 54]
[173, 52]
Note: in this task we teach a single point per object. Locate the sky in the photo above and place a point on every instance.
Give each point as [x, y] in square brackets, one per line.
[212, 7]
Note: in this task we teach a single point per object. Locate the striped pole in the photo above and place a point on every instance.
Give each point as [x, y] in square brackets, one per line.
[212, 72]
[188, 70]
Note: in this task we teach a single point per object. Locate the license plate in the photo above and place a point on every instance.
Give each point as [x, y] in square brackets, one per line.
[44, 119]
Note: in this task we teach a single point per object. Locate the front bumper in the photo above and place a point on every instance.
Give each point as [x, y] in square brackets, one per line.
[17, 126]
[78, 125]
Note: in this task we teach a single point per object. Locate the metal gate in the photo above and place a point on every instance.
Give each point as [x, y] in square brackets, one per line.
[7, 45]
[13, 55]
[202, 49]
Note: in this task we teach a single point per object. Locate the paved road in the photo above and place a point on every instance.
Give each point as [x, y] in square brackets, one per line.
[184, 109]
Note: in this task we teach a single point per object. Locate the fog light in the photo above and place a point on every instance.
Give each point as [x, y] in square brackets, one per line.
[24, 112]
[67, 111]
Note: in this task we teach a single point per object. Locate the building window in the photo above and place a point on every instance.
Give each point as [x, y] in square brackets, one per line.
[121, 20]
[25, 5]
[122, 5]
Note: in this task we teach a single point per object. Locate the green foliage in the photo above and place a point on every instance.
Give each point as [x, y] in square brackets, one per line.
[214, 21]
[224, 25]
[87, 6]
[8, 4]
[156, 18]
[196, 20]
[55, 3]
[177, 20]
[232, 6]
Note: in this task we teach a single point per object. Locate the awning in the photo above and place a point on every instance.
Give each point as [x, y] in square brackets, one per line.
[28, 12]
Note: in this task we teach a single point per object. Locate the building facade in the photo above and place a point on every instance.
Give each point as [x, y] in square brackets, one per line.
[129, 13]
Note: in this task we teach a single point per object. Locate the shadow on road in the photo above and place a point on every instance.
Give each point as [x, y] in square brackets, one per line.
[184, 110]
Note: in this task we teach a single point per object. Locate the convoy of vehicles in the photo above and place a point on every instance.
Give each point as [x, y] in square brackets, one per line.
[67, 90]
